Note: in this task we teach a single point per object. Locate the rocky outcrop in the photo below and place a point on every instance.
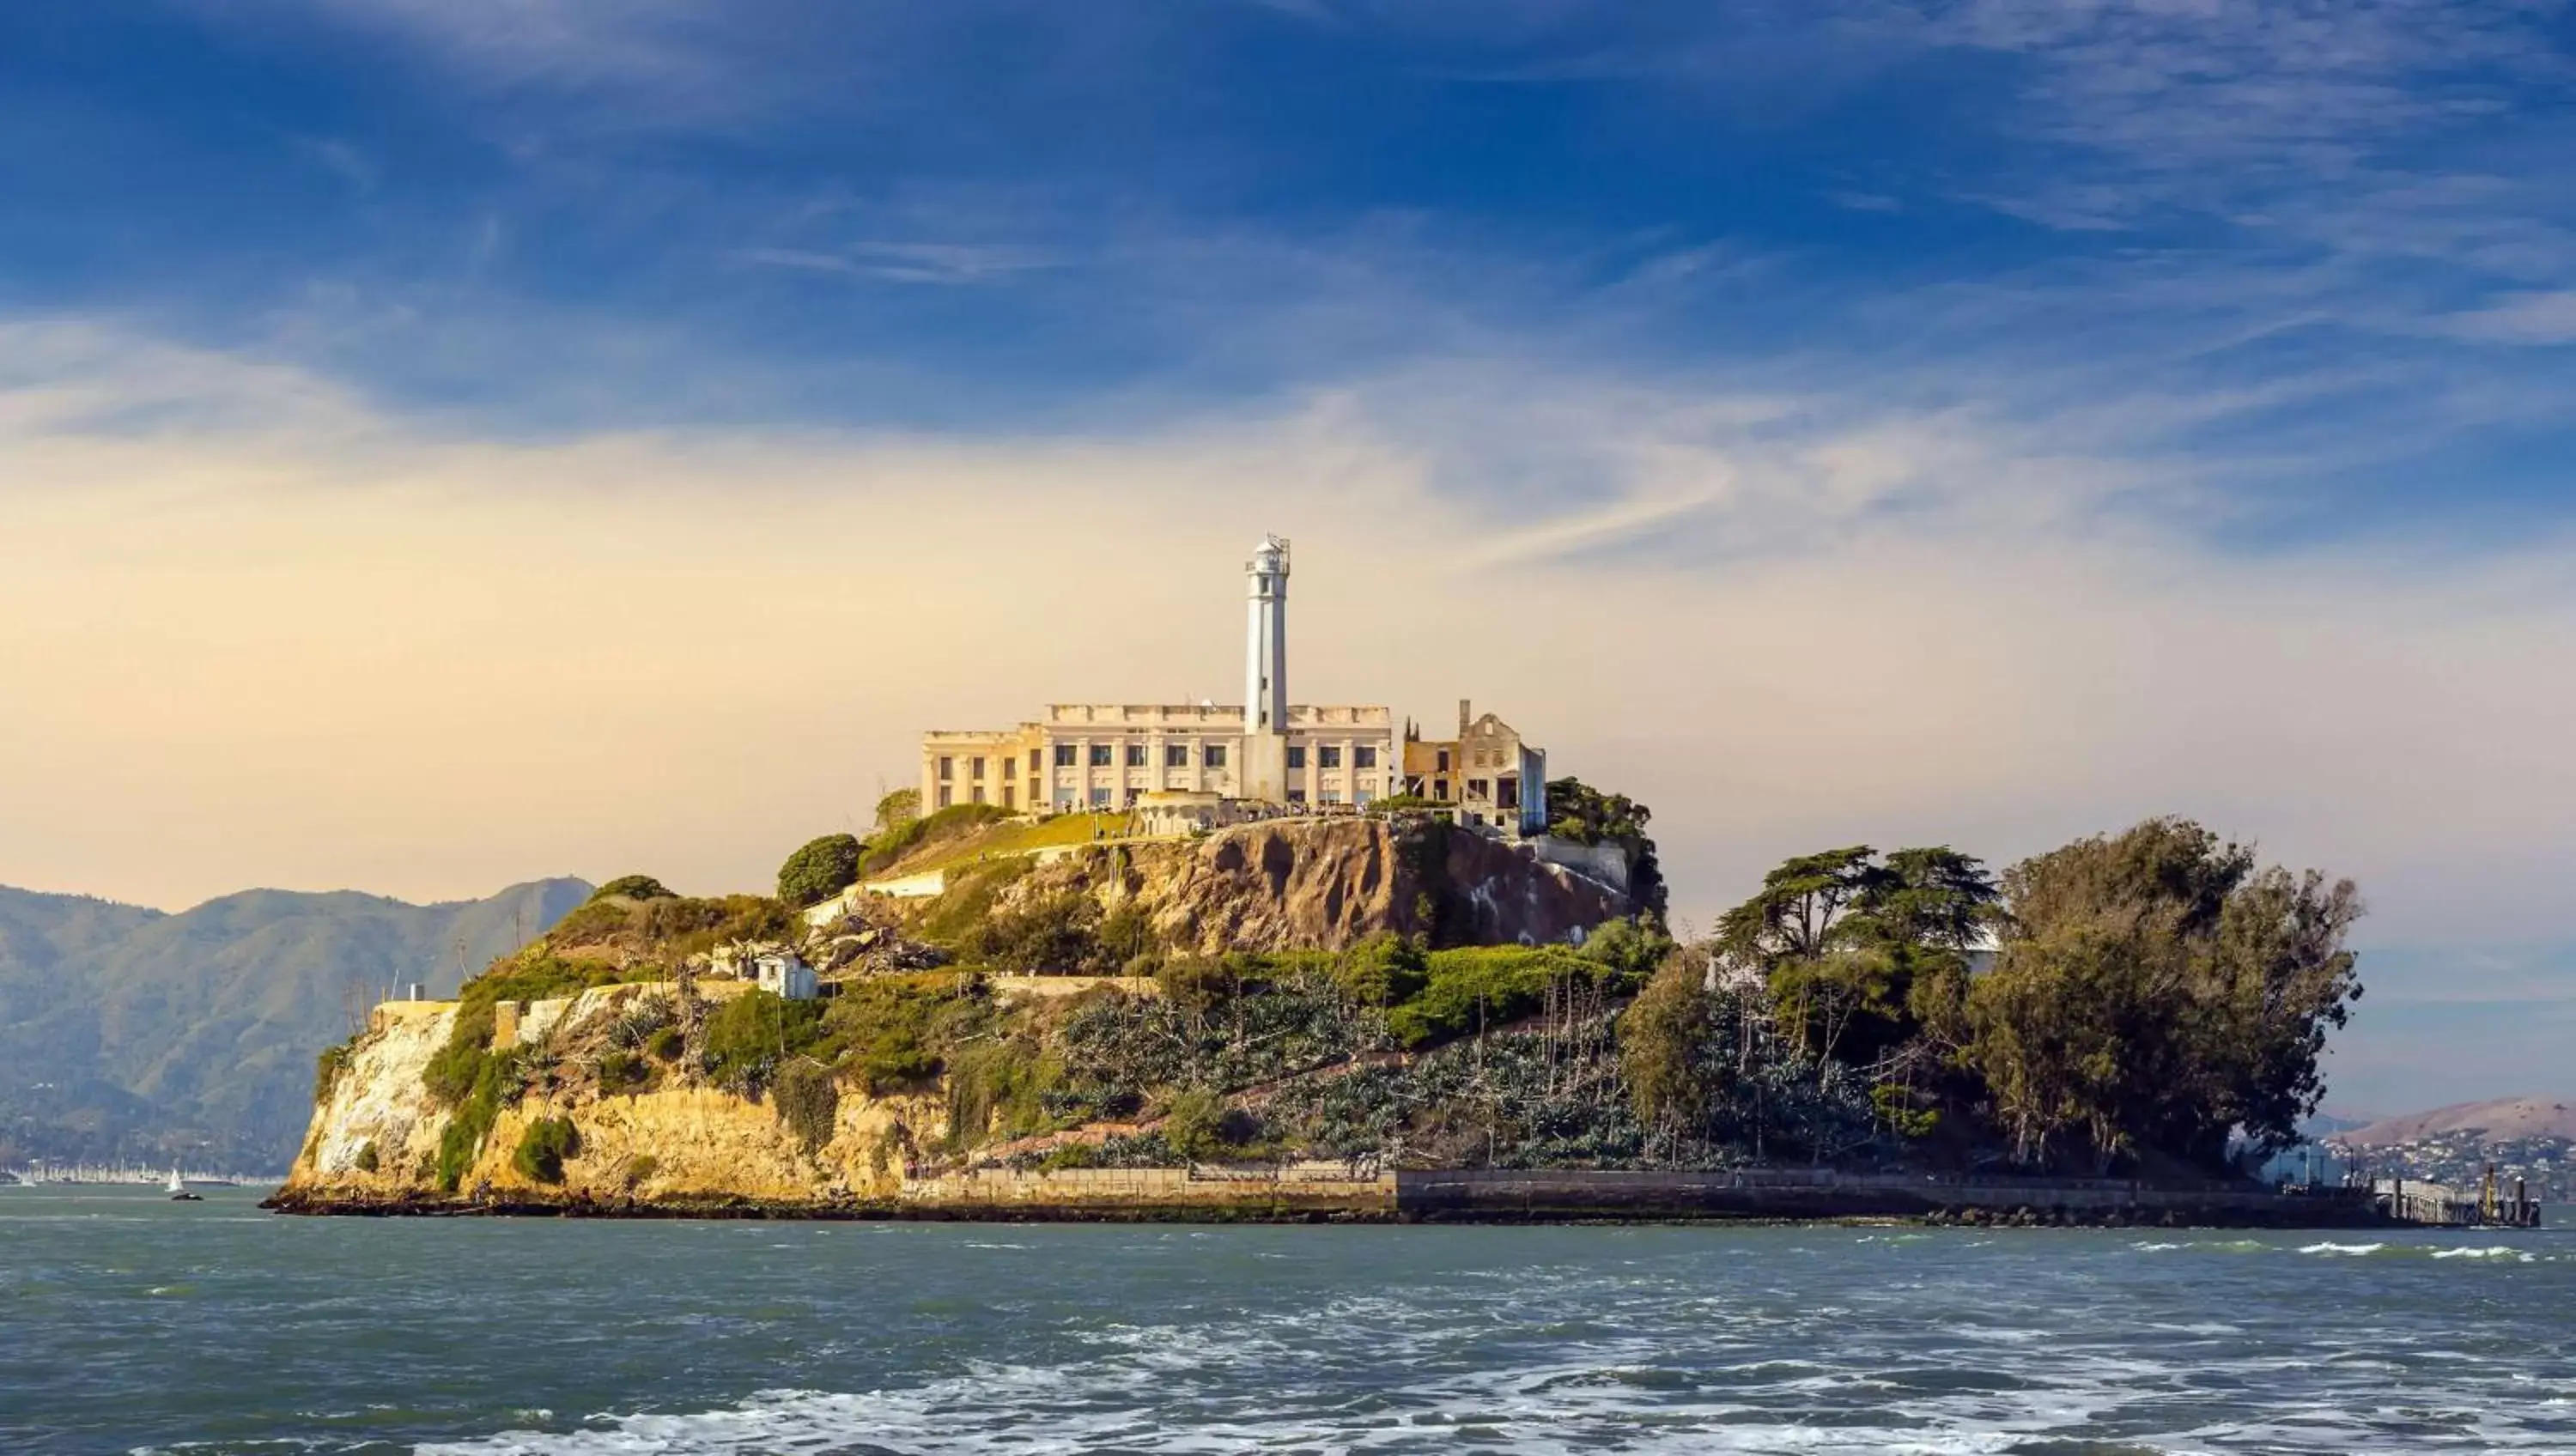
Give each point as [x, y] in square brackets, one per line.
[1323, 884]
[376, 1128]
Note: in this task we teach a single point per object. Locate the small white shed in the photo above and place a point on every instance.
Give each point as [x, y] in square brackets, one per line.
[785, 974]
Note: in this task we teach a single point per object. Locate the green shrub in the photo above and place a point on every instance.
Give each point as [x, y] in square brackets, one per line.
[1058, 935]
[621, 1071]
[593, 920]
[807, 1099]
[640, 1170]
[961, 910]
[632, 887]
[999, 1089]
[821, 869]
[1069, 1155]
[365, 1162]
[327, 1069]
[749, 1036]
[1383, 970]
[1200, 1128]
[1197, 984]
[666, 1045]
[1478, 988]
[892, 1030]
[455, 1067]
[476, 1111]
[543, 1148]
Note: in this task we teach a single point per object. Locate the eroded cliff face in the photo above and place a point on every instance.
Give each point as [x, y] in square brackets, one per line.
[1326, 884]
[376, 1132]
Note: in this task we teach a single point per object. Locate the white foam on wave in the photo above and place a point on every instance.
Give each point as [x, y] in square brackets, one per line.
[2490, 1251]
[1547, 1365]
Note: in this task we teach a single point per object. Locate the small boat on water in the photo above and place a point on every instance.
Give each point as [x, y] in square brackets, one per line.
[179, 1191]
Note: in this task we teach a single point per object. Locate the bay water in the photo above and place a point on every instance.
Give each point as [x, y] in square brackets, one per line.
[132, 1324]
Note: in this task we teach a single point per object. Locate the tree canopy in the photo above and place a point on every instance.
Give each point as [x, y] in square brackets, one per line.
[633, 887]
[2161, 992]
[819, 870]
[898, 809]
[1581, 813]
[2154, 994]
[1844, 937]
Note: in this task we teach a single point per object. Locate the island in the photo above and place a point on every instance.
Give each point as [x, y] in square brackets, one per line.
[1276, 960]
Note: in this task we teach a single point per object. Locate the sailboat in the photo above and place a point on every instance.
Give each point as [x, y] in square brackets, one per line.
[179, 1191]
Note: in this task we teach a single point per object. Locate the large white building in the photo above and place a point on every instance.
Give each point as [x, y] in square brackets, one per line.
[1108, 755]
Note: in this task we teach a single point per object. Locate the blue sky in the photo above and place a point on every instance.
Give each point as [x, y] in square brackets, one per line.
[2186, 382]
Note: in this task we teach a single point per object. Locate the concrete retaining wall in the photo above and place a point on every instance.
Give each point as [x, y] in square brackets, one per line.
[1299, 1186]
[1478, 1194]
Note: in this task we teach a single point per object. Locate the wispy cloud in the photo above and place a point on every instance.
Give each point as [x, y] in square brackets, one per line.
[2529, 318]
[914, 262]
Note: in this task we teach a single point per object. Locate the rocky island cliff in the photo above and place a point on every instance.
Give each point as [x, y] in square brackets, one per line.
[1000, 1027]
[1370, 1016]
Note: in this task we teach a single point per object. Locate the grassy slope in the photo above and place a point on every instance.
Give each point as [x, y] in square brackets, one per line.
[1006, 838]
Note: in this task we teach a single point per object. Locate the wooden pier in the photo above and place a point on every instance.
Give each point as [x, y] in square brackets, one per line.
[2434, 1205]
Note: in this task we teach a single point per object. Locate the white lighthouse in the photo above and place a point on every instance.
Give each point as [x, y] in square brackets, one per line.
[1265, 673]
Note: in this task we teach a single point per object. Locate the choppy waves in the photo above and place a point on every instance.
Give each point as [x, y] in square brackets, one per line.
[1568, 1360]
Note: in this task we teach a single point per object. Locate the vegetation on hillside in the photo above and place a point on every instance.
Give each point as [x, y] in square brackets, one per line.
[2145, 1001]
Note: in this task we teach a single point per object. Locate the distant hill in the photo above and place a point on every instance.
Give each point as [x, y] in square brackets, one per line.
[2504, 1119]
[131, 1034]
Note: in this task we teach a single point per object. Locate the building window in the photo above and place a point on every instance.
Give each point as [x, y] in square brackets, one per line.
[1135, 755]
[1364, 756]
[1009, 796]
[975, 768]
[1100, 755]
[1443, 765]
[1100, 798]
[1063, 799]
[1476, 789]
[1328, 756]
[1064, 755]
[947, 768]
[1332, 796]
[944, 793]
[1034, 765]
[1296, 796]
[1440, 789]
[1216, 755]
[1176, 755]
[1296, 755]
[978, 793]
[1362, 798]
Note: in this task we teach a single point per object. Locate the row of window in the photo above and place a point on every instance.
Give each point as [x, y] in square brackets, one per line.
[1104, 755]
[1329, 755]
[1175, 755]
[1103, 797]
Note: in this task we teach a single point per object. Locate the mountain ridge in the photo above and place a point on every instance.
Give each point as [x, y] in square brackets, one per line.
[2502, 1119]
[134, 1034]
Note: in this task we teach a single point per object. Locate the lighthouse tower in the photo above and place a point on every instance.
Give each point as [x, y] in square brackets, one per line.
[1265, 673]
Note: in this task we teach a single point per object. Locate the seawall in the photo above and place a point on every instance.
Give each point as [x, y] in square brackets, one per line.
[1333, 1193]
